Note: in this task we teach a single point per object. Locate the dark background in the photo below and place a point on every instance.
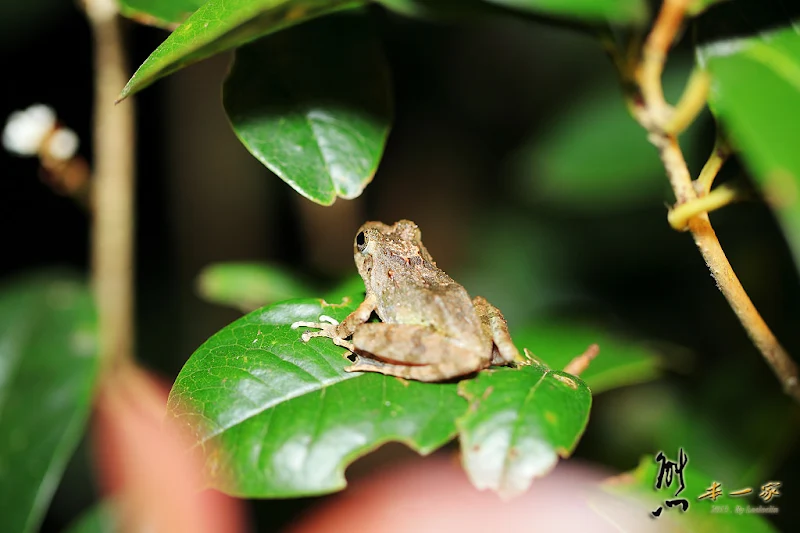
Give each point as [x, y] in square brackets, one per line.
[471, 102]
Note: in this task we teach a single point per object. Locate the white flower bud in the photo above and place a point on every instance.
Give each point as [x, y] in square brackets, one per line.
[25, 130]
[62, 144]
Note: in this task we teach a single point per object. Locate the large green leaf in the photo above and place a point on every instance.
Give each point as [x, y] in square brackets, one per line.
[220, 25]
[278, 417]
[518, 424]
[702, 515]
[247, 286]
[313, 104]
[620, 362]
[755, 93]
[621, 11]
[161, 13]
[48, 366]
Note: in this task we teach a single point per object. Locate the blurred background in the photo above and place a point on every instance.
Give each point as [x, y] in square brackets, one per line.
[512, 150]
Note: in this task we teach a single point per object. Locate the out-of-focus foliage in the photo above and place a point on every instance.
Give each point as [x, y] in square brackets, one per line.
[48, 364]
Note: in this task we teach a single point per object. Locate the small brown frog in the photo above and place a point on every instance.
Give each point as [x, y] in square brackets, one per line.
[431, 329]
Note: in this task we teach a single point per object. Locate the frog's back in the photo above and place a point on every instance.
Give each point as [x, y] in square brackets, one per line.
[427, 296]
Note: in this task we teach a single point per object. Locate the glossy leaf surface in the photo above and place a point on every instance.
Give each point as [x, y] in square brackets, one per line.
[277, 417]
[220, 25]
[313, 105]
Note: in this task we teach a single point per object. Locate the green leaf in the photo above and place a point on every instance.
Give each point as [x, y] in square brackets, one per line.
[755, 94]
[621, 362]
[350, 287]
[247, 286]
[596, 157]
[668, 417]
[161, 13]
[99, 519]
[48, 366]
[620, 11]
[278, 417]
[640, 486]
[518, 424]
[220, 25]
[313, 105]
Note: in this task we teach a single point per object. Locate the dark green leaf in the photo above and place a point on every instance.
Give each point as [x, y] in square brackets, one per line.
[313, 105]
[48, 365]
[98, 519]
[353, 285]
[448, 9]
[161, 13]
[666, 417]
[640, 486]
[619, 363]
[247, 286]
[220, 25]
[595, 156]
[621, 11]
[278, 417]
[518, 424]
[755, 93]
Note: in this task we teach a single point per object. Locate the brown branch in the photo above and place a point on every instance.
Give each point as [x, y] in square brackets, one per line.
[112, 187]
[655, 115]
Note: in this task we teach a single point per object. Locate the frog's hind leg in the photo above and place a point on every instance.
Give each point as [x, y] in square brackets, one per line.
[427, 373]
[496, 327]
[414, 351]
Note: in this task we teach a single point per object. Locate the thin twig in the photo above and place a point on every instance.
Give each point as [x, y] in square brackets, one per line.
[654, 114]
[112, 187]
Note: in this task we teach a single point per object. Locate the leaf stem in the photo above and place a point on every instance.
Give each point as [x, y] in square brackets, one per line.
[692, 102]
[681, 214]
[712, 167]
[112, 188]
[648, 106]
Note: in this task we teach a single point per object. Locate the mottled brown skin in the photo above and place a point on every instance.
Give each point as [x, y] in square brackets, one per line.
[430, 329]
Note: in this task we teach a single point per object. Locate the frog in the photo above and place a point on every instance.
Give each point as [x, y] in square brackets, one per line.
[430, 328]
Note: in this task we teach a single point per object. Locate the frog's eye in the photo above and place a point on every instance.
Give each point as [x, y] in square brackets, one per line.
[361, 241]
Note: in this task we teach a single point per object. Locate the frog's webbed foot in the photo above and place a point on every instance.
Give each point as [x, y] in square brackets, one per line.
[328, 327]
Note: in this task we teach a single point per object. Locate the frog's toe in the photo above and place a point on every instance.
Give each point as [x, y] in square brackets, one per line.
[329, 320]
[320, 333]
[303, 324]
[363, 364]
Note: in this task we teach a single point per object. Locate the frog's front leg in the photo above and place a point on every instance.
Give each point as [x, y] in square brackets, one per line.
[496, 328]
[414, 352]
[338, 332]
